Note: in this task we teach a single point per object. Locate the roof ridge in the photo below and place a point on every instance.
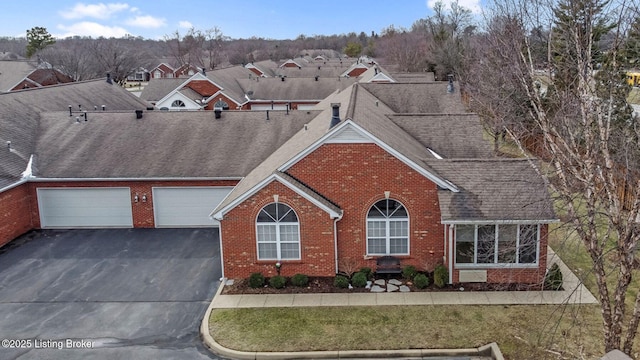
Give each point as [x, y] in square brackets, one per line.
[352, 102]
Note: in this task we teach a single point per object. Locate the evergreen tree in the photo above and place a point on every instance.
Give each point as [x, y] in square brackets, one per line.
[37, 39]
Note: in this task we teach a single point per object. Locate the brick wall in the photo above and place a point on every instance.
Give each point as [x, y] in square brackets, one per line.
[238, 233]
[356, 176]
[15, 213]
[142, 211]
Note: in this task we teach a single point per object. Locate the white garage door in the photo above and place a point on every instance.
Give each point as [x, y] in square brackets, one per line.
[187, 206]
[269, 107]
[84, 207]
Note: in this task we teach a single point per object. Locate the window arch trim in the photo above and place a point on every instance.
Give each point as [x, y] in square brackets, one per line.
[277, 233]
[387, 229]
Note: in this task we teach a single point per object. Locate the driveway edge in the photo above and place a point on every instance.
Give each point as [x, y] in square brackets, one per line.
[491, 349]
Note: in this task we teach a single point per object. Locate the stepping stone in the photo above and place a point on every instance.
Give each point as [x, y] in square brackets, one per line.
[404, 288]
[377, 289]
[395, 282]
[380, 282]
[391, 288]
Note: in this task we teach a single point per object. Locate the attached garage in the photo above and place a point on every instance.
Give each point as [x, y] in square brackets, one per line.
[268, 107]
[84, 207]
[186, 206]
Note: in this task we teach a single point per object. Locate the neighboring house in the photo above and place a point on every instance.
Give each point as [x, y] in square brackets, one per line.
[23, 74]
[123, 166]
[364, 180]
[42, 77]
[186, 70]
[141, 74]
[162, 71]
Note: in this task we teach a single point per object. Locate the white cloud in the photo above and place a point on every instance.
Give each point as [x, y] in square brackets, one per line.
[185, 24]
[92, 29]
[147, 21]
[98, 11]
[473, 5]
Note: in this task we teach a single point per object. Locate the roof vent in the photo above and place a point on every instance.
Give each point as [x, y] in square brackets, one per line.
[9, 145]
[138, 114]
[109, 78]
[104, 107]
[450, 88]
[267, 115]
[335, 116]
[217, 113]
[316, 77]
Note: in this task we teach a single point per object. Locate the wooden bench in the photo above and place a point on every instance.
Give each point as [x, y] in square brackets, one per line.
[388, 265]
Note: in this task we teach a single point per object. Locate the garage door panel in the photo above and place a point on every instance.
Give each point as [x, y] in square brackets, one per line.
[187, 206]
[76, 207]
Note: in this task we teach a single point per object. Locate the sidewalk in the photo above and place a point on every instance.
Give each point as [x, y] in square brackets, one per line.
[574, 293]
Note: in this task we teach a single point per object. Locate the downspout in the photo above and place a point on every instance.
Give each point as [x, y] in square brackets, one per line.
[221, 254]
[335, 239]
[450, 254]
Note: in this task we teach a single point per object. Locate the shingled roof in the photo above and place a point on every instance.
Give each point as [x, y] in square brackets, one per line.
[293, 88]
[186, 144]
[12, 72]
[449, 135]
[158, 88]
[428, 98]
[494, 190]
[20, 116]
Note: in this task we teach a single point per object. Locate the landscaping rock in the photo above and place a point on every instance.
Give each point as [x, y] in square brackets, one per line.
[380, 282]
[391, 288]
[377, 289]
[404, 288]
[368, 286]
[395, 282]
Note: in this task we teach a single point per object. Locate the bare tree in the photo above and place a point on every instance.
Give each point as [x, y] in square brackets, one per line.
[115, 58]
[576, 105]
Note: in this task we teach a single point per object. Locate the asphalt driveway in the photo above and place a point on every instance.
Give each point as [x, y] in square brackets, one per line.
[127, 293]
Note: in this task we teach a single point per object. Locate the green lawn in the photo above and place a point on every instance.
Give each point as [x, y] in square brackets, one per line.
[522, 332]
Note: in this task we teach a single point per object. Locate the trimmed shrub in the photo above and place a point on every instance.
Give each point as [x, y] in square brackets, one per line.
[278, 282]
[440, 276]
[409, 272]
[256, 280]
[421, 281]
[359, 280]
[553, 278]
[299, 280]
[367, 271]
[341, 282]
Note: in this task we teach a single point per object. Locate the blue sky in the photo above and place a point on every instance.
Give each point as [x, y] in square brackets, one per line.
[153, 19]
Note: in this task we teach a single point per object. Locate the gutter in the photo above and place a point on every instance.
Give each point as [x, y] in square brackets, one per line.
[39, 179]
[492, 222]
[16, 184]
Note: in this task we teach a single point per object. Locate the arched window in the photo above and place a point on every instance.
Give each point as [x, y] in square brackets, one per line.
[177, 103]
[387, 229]
[278, 233]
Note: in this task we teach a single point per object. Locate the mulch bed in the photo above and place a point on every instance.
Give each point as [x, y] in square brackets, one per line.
[325, 285]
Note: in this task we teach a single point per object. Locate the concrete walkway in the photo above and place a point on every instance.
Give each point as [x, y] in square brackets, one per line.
[574, 293]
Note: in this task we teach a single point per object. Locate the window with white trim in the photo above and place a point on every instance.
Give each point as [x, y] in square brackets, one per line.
[177, 103]
[497, 244]
[278, 233]
[387, 229]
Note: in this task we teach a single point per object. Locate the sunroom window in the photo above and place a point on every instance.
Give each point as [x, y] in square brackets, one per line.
[487, 244]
